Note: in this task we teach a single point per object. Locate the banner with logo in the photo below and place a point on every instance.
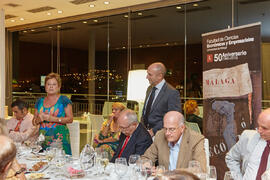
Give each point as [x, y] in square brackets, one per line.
[231, 87]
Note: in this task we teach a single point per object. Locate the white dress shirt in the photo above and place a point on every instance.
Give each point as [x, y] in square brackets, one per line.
[174, 150]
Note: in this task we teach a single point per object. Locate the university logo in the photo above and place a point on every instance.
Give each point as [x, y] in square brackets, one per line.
[209, 58]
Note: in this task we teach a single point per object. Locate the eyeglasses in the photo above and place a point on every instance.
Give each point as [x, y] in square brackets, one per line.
[125, 128]
[170, 130]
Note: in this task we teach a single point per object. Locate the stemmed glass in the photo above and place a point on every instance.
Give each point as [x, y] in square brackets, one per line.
[50, 154]
[145, 168]
[104, 161]
[194, 166]
[133, 160]
[229, 175]
[212, 173]
[120, 166]
[159, 171]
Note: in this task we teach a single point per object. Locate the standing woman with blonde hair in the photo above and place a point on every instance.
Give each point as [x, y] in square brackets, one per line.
[53, 112]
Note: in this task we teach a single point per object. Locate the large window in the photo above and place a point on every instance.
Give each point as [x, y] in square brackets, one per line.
[93, 56]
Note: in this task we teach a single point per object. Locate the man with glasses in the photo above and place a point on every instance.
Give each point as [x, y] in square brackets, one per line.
[175, 145]
[134, 138]
[248, 158]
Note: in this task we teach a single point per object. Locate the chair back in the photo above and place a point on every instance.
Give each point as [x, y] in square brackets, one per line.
[74, 131]
[96, 123]
[193, 126]
[206, 149]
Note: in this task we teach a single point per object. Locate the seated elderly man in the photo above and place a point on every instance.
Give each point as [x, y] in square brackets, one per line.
[175, 145]
[249, 157]
[134, 138]
[20, 127]
[7, 155]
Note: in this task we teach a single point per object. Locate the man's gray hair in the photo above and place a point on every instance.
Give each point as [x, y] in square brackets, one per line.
[7, 152]
[181, 119]
[3, 127]
[130, 115]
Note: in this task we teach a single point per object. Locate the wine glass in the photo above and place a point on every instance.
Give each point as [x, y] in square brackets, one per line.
[120, 166]
[229, 175]
[212, 173]
[133, 160]
[104, 161]
[145, 168]
[50, 154]
[159, 171]
[194, 166]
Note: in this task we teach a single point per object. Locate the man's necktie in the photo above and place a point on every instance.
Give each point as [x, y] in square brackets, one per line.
[264, 159]
[123, 147]
[148, 107]
[17, 128]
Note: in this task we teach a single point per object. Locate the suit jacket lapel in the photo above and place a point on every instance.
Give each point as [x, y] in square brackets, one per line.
[160, 94]
[131, 140]
[183, 149]
[166, 153]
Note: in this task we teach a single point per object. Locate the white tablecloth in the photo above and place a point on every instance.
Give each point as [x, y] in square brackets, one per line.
[52, 173]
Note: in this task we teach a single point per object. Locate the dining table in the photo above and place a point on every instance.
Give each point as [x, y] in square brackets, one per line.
[50, 170]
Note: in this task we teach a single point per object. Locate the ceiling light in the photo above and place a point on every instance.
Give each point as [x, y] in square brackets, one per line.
[124, 47]
[48, 13]
[59, 11]
[178, 7]
[21, 19]
[32, 30]
[84, 22]
[141, 46]
[167, 44]
[95, 20]
[58, 26]
[126, 16]
[106, 2]
[195, 5]
[91, 5]
[139, 14]
[25, 31]
[12, 20]
[50, 27]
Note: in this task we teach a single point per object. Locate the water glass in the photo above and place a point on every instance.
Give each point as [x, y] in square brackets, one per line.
[229, 175]
[120, 166]
[104, 161]
[146, 167]
[133, 159]
[159, 171]
[212, 173]
[50, 154]
[194, 166]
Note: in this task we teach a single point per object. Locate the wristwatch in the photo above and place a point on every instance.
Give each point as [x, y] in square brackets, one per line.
[60, 120]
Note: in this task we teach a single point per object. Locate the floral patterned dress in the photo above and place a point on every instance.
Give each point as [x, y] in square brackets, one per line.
[109, 147]
[55, 131]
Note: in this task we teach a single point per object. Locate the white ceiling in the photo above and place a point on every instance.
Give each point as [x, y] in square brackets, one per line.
[66, 6]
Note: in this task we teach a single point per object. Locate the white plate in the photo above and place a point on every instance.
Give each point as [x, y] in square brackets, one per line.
[40, 170]
[33, 157]
[35, 175]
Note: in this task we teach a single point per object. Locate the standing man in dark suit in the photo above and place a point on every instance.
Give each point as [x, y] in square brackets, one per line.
[134, 138]
[161, 98]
